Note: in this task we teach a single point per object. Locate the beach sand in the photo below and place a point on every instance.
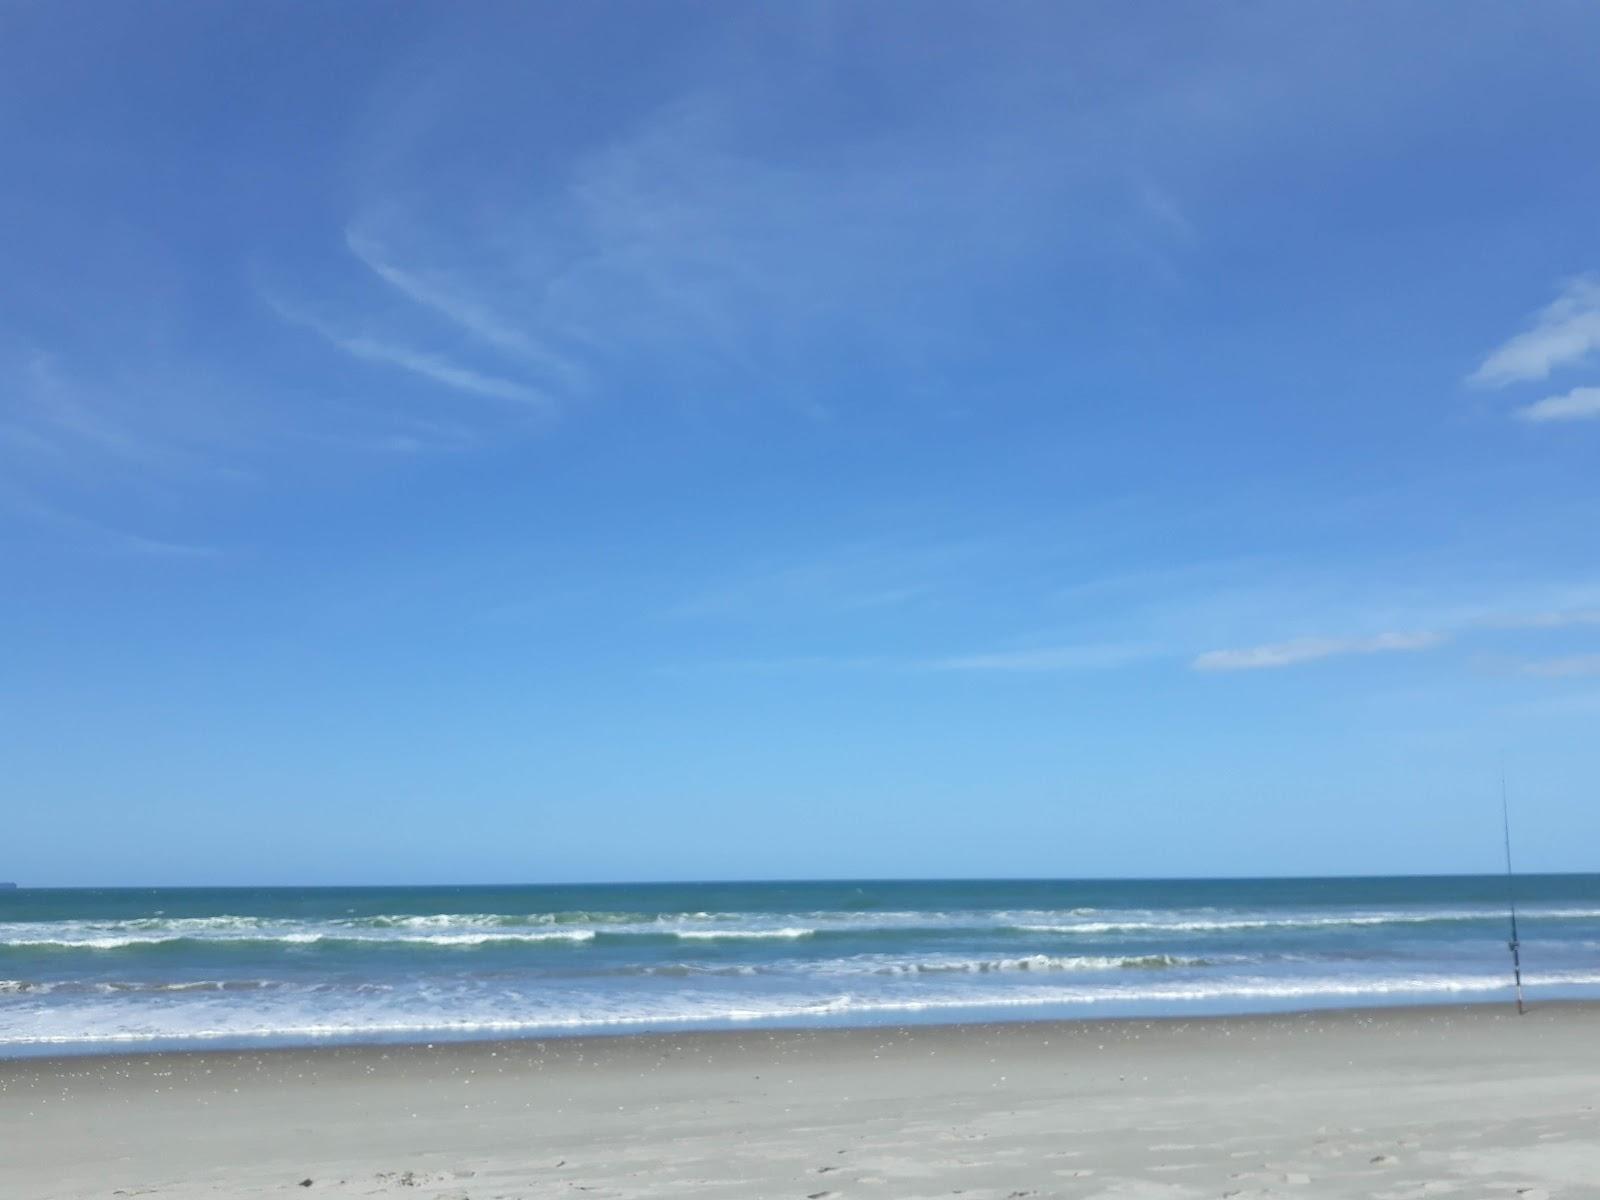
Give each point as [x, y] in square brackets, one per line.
[1464, 1102]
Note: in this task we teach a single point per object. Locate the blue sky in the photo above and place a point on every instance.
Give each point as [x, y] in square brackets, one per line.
[521, 442]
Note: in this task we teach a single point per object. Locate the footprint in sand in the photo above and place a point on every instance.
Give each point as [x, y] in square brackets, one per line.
[405, 1179]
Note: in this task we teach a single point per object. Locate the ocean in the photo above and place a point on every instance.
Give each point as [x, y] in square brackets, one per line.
[159, 968]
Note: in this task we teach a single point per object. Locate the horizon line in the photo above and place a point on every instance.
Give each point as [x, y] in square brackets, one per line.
[841, 879]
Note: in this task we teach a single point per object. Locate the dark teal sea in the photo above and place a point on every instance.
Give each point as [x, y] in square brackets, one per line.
[85, 969]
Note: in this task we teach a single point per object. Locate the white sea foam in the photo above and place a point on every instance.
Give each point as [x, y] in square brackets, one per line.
[482, 939]
[1223, 924]
[878, 965]
[89, 942]
[304, 938]
[1038, 962]
[756, 934]
[454, 1013]
[487, 928]
[119, 987]
[686, 970]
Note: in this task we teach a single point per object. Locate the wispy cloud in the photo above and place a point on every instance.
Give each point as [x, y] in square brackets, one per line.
[441, 370]
[792, 664]
[1566, 332]
[1554, 619]
[1580, 404]
[372, 431]
[1047, 658]
[1563, 668]
[102, 536]
[850, 579]
[1303, 650]
[455, 301]
[1042, 660]
[696, 244]
[435, 368]
[59, 414]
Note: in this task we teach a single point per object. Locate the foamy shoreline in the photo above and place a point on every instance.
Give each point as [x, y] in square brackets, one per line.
[1355, 1102]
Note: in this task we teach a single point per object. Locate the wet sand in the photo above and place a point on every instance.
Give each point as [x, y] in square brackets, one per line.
[1392, 1104]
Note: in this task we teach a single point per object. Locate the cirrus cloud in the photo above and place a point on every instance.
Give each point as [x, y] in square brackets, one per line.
[1580, 404]
[1048, 658]
[1565, 333]
[1302, 650]
[1563, 668]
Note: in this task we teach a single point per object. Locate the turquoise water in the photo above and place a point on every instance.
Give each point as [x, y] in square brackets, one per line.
[155, 968]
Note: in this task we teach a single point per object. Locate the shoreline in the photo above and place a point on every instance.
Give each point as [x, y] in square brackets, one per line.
[444, 1042]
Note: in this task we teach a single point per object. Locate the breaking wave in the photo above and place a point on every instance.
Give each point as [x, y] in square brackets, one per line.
[464, 1016]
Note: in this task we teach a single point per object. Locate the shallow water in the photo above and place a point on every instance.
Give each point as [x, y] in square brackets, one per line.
[87, 969]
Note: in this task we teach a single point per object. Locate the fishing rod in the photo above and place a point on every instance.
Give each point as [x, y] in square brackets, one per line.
[1515, 944]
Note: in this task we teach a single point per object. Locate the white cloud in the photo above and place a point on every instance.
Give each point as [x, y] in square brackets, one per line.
[697, 245]
[1049, 658]
[1580, 404]
[434, 367]
[441, 370]
[1546, 620]
[1566, 332]
[1560, 668]
[102, 536]
[63, 413]
[453, 301]
[1286, 654]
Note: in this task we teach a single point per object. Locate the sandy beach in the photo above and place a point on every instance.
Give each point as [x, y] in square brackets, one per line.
[1389, 1104]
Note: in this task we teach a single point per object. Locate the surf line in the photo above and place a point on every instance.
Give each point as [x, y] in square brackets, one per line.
[1515, 944]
